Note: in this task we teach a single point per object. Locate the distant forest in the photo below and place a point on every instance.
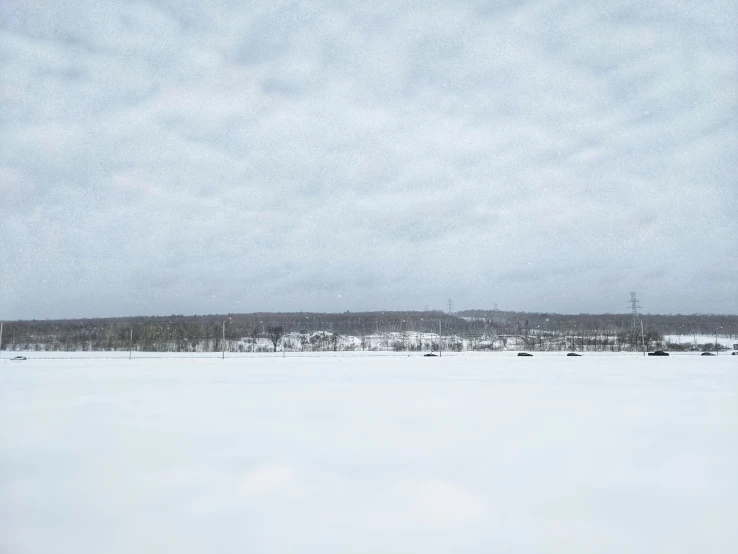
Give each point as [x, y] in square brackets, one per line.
[465, 330]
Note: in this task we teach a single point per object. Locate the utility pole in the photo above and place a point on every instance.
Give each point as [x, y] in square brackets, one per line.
[223, 339]
[130, 345]
[716, 344]
[643, 340]
[440, 349]
[1, 339]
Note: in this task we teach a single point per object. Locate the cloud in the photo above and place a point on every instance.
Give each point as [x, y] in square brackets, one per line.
[268, 480]
[166, 159]
[445, 502]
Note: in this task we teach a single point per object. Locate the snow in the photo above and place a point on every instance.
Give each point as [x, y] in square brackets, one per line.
[702, 339]
[392, 454]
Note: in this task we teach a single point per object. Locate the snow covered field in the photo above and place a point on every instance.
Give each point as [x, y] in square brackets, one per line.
[466, 453]
[702, 339]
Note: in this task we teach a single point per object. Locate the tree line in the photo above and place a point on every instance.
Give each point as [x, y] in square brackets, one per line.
[472, 330]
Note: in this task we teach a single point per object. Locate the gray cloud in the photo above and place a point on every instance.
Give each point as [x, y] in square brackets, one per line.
[317, 156]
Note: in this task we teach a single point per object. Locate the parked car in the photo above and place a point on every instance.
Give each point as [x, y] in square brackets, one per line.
[429, 354]
[707, 354]
[658, 353]
[524, 354]
[18, 359]
[573, 354]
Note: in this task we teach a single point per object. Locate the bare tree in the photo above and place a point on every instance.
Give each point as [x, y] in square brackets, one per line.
[275, 333]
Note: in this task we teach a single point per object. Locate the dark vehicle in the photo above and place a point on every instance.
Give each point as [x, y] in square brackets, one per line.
[734, 354]
[18, 359]
[707, 354]
[524, 354]
[573, 354]
[429, 354]
[658, 353]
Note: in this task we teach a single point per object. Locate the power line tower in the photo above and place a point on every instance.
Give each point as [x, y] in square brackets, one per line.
[450, 306]
[634, 305]
[495, 306]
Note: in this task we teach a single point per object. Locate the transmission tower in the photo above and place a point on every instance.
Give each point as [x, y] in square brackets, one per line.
[495, 306]
[634, 305]
[450, 306]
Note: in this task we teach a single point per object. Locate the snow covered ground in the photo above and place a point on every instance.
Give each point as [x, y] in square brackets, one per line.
[465, 453]
[702, 339]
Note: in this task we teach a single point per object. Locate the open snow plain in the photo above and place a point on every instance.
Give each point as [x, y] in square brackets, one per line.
[466, 453]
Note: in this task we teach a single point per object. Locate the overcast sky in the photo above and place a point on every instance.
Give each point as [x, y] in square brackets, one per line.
[331, 156]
